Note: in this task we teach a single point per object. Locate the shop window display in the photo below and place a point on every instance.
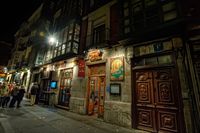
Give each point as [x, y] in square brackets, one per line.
[65, 86]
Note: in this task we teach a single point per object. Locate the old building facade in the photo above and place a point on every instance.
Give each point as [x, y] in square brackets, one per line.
[129, 62]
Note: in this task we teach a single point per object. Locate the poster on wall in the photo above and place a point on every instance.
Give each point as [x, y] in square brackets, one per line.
[81, 68]
[117, 69]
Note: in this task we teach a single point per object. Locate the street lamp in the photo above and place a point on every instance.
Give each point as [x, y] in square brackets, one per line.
[52, 40]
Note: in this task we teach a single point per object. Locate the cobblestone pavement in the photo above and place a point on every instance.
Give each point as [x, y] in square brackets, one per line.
[41, 119]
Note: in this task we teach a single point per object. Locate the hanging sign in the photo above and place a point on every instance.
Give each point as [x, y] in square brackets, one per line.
[95, 55]
[81, 68]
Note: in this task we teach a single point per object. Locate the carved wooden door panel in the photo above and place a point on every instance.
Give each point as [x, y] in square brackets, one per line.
[145, 101]
[157, 101]
[166, 100]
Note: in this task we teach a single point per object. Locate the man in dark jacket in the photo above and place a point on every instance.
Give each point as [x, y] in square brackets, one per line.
[14, 94]
[34, 89]
[20, 96]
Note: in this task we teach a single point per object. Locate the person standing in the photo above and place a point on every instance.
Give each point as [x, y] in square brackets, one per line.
[68, 95]
[14, 94]
[5, 94]
[1, 95]
[20, 95]
[34, 89]
[37, 95]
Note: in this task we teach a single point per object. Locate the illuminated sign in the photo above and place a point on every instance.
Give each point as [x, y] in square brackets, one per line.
[95, 55]
[81, 68]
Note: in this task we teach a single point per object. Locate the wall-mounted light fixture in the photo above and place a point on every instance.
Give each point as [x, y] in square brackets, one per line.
[52, 40]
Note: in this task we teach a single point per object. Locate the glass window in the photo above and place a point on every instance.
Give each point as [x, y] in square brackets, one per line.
[127, 30]
[139, 62]
[66, 78]
[169, 6]
[65, 35]
[77, 29]
[126, 12]
[76, 33]
[56, 45]
[135, 1]
[71, 26]
[137, 51]
[55, 52]
[126, 22]
[70, 35]
[70, 32]
[75, 48]
[68, 49]
[125, 4]
[170, 15]
[165, 59]
[151, 61]
[63, 48]
[91, 3]
[137, 7]
[59, 51]
[99, 34]
[60, 38]
[167, 45]
[150, 2]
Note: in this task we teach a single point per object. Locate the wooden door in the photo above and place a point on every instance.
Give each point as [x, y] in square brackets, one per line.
[96, 95]
[93, 94]
[156, 101]
[101, 96]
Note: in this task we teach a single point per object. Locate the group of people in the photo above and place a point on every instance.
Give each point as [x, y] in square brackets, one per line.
[11, 94]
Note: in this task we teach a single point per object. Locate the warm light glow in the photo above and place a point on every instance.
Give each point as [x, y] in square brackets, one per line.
[52, 40]
[41, 34]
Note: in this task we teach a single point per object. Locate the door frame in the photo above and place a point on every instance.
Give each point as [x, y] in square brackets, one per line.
[98, 85]
[179, 97]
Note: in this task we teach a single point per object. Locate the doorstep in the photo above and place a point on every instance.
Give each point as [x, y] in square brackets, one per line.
[62, 107]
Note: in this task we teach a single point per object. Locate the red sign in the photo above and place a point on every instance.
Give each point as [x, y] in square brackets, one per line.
[81, 68]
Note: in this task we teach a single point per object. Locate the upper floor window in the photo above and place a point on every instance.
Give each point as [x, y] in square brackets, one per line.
[140, 14]
[127, 19]
[91, 3]
[68, 40]
[99, 34]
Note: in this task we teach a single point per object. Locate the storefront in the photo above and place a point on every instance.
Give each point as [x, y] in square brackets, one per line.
[45, 93]
[66, 76]
[157, 100]
[96, 89]
[96, 75]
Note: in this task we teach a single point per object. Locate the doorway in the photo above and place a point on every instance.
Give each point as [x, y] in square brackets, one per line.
[96, 96]
[157, 100]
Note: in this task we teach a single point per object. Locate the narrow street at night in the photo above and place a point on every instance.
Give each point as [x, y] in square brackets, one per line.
[44, 119]
[100, 66]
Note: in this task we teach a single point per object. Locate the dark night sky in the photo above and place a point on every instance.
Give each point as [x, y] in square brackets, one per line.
[13, 13]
